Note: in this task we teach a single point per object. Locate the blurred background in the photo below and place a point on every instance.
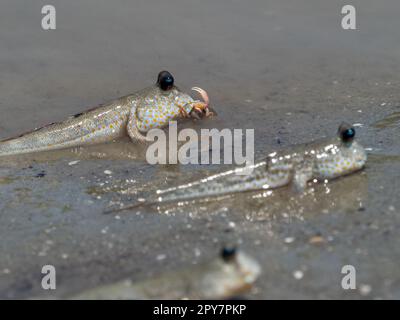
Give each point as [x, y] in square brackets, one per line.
[285, 68]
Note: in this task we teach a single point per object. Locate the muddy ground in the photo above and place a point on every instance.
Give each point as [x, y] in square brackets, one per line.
[284, 68]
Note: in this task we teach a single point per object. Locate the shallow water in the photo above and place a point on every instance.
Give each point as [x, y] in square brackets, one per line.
[390, 121]
[284, 68]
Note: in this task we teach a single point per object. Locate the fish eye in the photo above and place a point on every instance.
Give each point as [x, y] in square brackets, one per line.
[346, 132]
[228, 254]
[165, 80]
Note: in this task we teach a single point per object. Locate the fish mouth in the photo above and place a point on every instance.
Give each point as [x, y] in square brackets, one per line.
[360, 156]
[250, 268]
[361, 162]
[200, 108]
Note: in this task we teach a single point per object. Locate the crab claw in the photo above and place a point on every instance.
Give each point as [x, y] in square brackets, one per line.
[203, 94]
[183, 113]
[202, 107]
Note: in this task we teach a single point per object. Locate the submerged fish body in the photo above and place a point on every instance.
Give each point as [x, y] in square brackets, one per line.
[322, 160]
[228, 275]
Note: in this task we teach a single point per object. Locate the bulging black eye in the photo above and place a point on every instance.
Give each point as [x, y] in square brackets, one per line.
[346, 132]
[165, 80]
[228, 254]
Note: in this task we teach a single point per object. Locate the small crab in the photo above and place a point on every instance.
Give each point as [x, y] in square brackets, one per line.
[199, 108]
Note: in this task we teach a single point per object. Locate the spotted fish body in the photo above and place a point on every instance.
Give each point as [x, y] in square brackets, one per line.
[324, 160]
[130, 115]
[219, 278]
[159, 110]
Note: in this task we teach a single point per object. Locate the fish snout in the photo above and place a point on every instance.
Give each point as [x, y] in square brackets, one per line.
[249, 267]
[359, 155]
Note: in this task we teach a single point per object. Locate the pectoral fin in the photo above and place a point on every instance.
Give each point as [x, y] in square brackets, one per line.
[133, 127]
[302, 173]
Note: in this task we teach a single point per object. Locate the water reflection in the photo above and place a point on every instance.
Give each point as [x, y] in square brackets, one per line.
[346, 194]
[122, 149]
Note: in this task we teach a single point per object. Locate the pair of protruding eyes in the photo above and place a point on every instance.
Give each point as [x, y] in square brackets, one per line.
[346, 132]
[165, 80]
